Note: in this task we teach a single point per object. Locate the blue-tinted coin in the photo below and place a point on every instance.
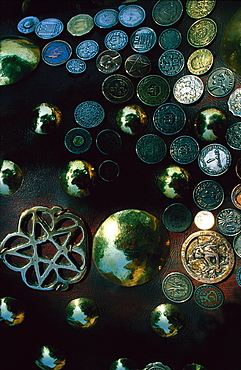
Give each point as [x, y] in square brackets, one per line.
[184, 149]
[169, 118]
[238, 275]
[87, 49]
[116, 40]
[27, 24]
[170, 38]
[131, 15]
[143, 39]
[49, 28]
[56, 52]
[171, 62]
[76, 66]
[89, 114]
[106, 18]
[78, 140]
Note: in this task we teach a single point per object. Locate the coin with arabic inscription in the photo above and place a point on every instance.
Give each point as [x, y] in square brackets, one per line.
[131, 15]
[170, 38]
[89, 114]
[75, 66]
[237, 244]
[177, 287]
[169, 118]
[200, 61]
[208, 296]
[166, 12]
[106, 18]
[207, 256]
[220, 82]
[108, 61]
[202, 32]
[137, 65]
[171, 62]
[233, 136]
[87, 49]
[208, 195]
[177, 217]
[27, 24]
[236, 196]
[228, 221]
[184, 149]
[234, 102]
[116, 40]
[117, 88]
[143, 39]
[80, 24]
[151, 148]
[56, 52]
[198, 9]
[153, 90]
[238, 275]
[188, 89]
[49, 28]
[214, 159]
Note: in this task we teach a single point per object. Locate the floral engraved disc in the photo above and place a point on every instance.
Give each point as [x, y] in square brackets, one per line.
[207, 256]
[49, 249]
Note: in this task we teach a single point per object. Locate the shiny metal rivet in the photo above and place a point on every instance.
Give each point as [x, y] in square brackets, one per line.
[12, 311]
[132, 119]
[204, 220]
[78, 140]
[174, 181]
[168, 320]
[11, 177]
[50, 358]
[210, 124]
[45, 118]
[123, 364]
[82, 313]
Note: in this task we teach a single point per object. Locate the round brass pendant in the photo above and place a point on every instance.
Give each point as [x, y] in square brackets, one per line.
[11, 177]
[168, 320]
[210, 124]
[130, 247]
[132, 119]
[50, 358]
[11, 311]
[45, 118]
[82, 313]
[174, 181]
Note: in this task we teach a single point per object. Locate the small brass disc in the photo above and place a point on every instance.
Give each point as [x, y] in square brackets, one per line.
[202, 32]
[50, 358]
[80, 24]
[11, 177]
[82, 313]
[200, 61]
[168, 320]
[11, 311]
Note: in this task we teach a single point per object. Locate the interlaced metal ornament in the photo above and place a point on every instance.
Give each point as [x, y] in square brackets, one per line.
[50, 248]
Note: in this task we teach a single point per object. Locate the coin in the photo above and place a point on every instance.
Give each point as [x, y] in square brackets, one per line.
[188, 89]
[238, 275]
[228, 221]
[236, 196]
[106, 18]
[238, 168]
[233, 136]
[166, 12]
[208, 195]
[208, 296]
[117, 88]
[153, 90]
[214, 159]
[108, 170]
[80, 24]
[220, 82]
[89, 114]
[143, 39]
[177, 287]
[177, 217]
[207, 256]
[108, 141]
[137, 65]
[156, 366]
[169, 118]
[108, 61]
[49, 28]
[198, 9]
[237, 244]
[234, 102]
[204, 220]
[170, 38]
[200, 61]
[116, 40]
[56, 52]
[202, 32]
[171, 62]
[78, 140]
[151, 148]
[184, 149]
[87, 49]
[131, 15]
[27, 24]
[75, 66]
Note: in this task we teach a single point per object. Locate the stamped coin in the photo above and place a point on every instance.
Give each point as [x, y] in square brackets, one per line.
[151, 148]
[143, 39]
[208, 296]
[202, 32]
[106, 18]
[214, 159]
[76, 66]
[108, 61]
[188, 89]
[238, 275]
[49, 28]
[80, 24]
[204, 220]
[131, 15]
[89, 114]
[228, 221]
[27, 24]
[234, 102]
[236, 196]
[171, 62]
[170, 38]
[137, 65]
[153, 90]
[233, 136]
[166, 12]
[156, 366]
[56, 52]
[169, 118]
[177, 287]
[78, 140]
[87, 49]
[208, 195]
[184, 149]
[198, 9]
[237, 244]
[108, 141]
[200, 61]
[116, 40]
[117, 88]
[220, 82]
[177, 217]
[108, 170]
[207, 256]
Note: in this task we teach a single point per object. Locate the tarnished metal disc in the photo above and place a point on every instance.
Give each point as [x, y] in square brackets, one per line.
[130, 247]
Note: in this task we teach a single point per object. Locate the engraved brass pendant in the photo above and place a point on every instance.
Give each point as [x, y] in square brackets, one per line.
[50, 248]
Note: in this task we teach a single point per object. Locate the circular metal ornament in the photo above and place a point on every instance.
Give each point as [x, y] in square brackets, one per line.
[199, 9]
[116, 40]
[208, 195]
[236, 196]
[233, 136]
[108, 141]
[56, 52]
[169, 118]
[49, 28]
[75, 66]
[50, 358]
[132, 119]
[12, 311]
[143, 39]
[108, 170]
[156, 366]
[214, 159]
[11, 177]
[82, 313]
[188, 89]
[237, 244]
[220, 82]
[234, 102]
[49, 249]
[108, 61]
[106, 18]
[151, 148]
[78, 140]
[131, 15]
[153, 90]
[89, 114]
[117, 88]
[228, 221]
[80, 24]
[177, 217]
[168, 320]
[177, 287]
[27, 24]
[165, 13]
[184, 149]
[87, 49]
[170, 38]
[174, 181]
[45, 118]
[202, 32]
[238, 275]
[204, 220]
[171, 62]
[137, 65]
[210, 124]
[208, 296]
[200, 61]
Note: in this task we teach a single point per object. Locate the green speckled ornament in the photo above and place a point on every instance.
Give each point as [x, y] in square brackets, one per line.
[10, 177]
[168, 320]
[174, 181]
[11, 311]
[82, 313]
[210, 124]
[132, 119]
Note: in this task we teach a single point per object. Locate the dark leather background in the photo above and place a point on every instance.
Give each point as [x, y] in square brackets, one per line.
[211, 338]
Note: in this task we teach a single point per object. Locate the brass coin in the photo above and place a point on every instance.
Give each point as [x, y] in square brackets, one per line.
[202, 32]
[80, 24]
[207, 256]
[200, 61]
[137, 65]
[153, 90]
[117, 88]
[199, 8]
[108, 61]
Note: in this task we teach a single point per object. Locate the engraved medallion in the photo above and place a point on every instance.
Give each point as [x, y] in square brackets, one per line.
[188, 89]
[108, 141]
[169, 118]
[202, 32]
[238, 275]
[108, 170]
[27, 24]
[177, 217]
[153, 90]
[80, 24]
[234, 102]
[143, 39]
[228, 221]
[108, 61]
[131, 15]
[75, 66]
[207, 256]
[204, 220]
[233, 136]
[56, 52]
[116, 40]
[220, 82]
[199, 8]
[78, 140]
[237, 244]
[208, 296]
[89, 114]
[171, 62]
[106, 18]
[170, 38]
[208, 195]
[236, 196]
[166, 12]
[184, 149]
[151, 148]
[49, 28]
[117, 88]
[214, 159]
[137, 65]
[87, 49]
[177, 287]
[200, 61]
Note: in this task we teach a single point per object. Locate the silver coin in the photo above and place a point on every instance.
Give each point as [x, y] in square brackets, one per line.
[208, 195]
[177, 287]
[89, 114]
[117, 88]
[237, 244]
[228, 221]
[56, 52]
[171, 62]
[143, 39]
[75, 66]
[188, 89]
[156, 366]
[234, 102]
[177, 217]
[78, 140]
[108, 141]
[116, 40]
[108, 170]
[131, 15]
[87, 49]
[167, 12]
[27, 24]
[106, 18]
[184, 149]
[220, 82]
[238, 275]
[208, 296]
[108, 61]
[169, 118]
[49, 28]
[151, 148]
[170, 38]
[236, 196]
[214, 159]
[233, 136]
